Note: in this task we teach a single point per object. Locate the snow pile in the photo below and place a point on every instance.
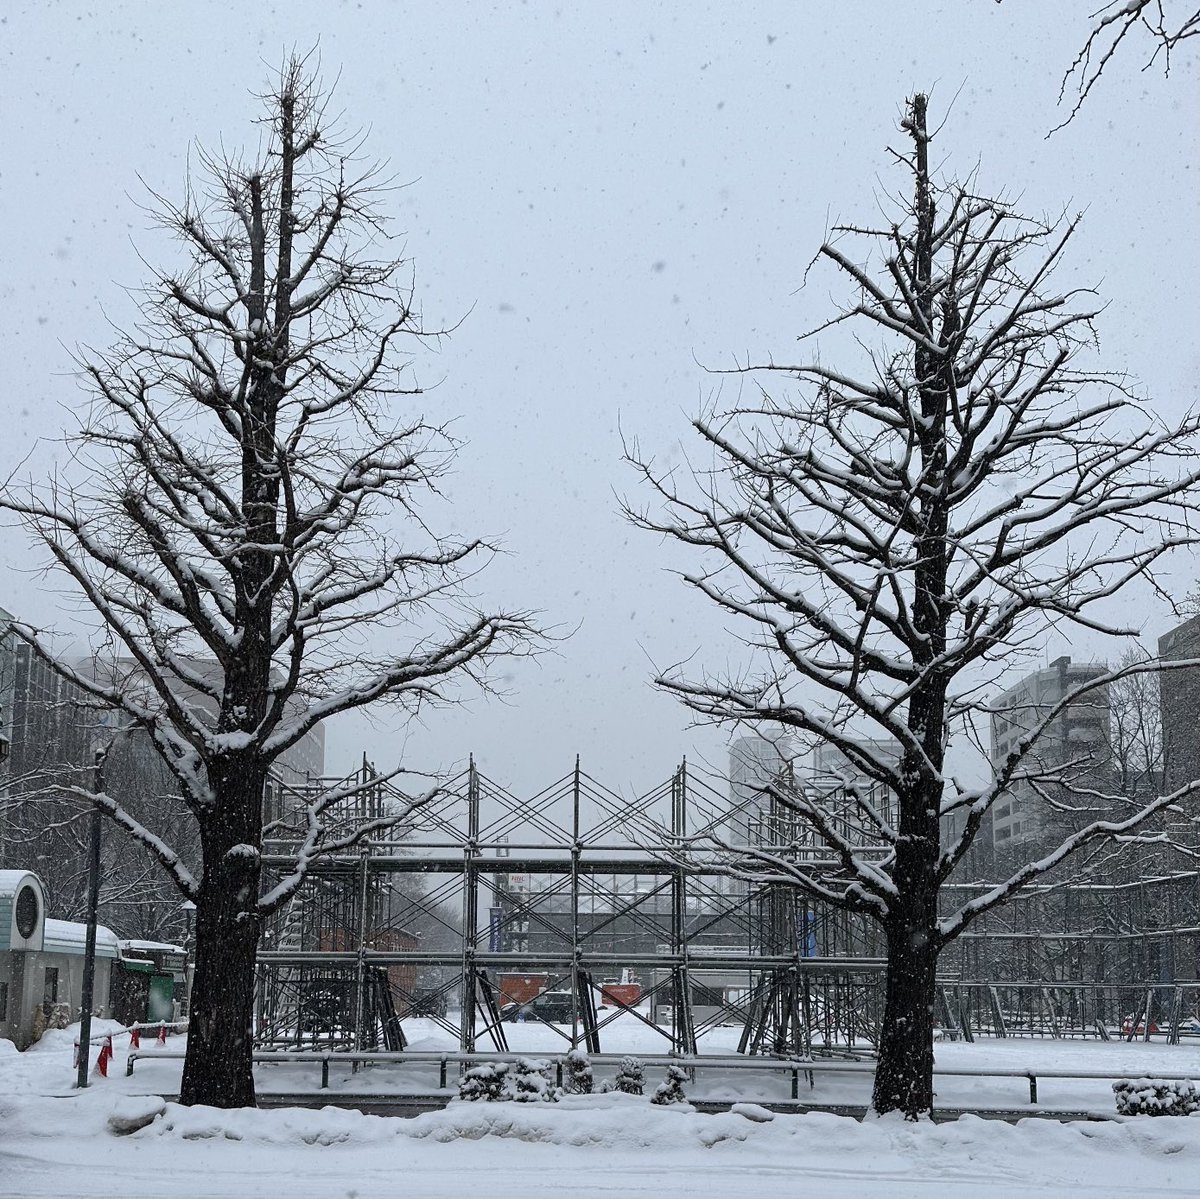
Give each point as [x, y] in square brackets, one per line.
[1155, 1097]
[617, 1122]
[281, 1126]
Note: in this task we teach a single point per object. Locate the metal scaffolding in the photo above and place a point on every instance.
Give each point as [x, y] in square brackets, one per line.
[575, 888]
[482, 908]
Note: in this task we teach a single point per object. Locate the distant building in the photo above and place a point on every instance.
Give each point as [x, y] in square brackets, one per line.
[295, 766]
[834, 774]
[54, 727]
[8, 672]
[1076, 740]
[1179, 712]
[832, 770]
[754, 763]
[50, 730]
[1179, 704]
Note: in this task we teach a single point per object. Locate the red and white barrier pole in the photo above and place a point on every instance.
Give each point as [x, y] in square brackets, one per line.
[105, 1057]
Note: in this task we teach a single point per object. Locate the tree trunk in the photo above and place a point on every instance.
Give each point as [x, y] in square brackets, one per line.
[217, 1070]
[904, 1076]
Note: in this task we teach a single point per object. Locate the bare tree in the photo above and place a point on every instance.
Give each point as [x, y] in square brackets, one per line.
[1138, 760]
[245, 520]
[892, 537]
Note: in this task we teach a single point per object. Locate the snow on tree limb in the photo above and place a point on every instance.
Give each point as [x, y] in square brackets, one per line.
[1166, 24]
[163, 853]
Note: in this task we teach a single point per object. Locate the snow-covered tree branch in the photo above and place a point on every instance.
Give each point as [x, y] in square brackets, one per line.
[1154, 28]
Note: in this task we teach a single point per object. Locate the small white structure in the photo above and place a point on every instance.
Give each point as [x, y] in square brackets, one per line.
[41, 961]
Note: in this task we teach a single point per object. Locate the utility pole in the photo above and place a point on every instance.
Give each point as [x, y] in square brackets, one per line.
[89, 952]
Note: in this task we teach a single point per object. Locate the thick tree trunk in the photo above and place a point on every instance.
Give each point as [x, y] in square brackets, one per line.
[217, 1070]
[904, 1075]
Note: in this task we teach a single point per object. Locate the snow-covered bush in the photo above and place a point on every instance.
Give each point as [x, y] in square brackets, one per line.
[484, 1082]
[670, 1090]
[631, 1077]
[531, 1082]
[1155, 1097]
[579, 1079]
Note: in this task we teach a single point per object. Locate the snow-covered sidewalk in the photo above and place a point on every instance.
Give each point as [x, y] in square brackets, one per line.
[55, 1142]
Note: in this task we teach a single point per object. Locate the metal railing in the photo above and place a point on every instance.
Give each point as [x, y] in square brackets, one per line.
[807, 1069]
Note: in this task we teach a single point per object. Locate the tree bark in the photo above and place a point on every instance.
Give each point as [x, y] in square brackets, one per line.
[904, 1078]
[904, 1075]
[218, 1069]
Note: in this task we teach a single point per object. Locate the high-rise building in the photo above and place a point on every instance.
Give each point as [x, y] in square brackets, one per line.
[754, 762]
[1179, 704]
[54, 728]
[834, 770]
[296, 766]
[835, 776]
[1179, 713]
[1074, 745]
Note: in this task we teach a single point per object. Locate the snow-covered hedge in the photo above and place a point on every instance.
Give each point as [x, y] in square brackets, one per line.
[484, 1082]
[531, 1082]
[631, 1077]
[670, 1090]
[1155, 1097]
[579, 1078]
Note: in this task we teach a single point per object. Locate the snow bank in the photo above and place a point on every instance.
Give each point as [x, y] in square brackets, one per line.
[622, 1123]
[110, 1142]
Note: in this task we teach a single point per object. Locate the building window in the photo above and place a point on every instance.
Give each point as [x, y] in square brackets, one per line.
[3, 1002]
[50, 987]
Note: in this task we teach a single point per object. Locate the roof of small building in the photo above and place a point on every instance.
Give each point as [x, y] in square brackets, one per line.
[11, 880]
[135, 946]
[68, 936]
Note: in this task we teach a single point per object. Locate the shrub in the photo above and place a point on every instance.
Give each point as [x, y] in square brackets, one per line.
[484, 1082]
[531, 1082]
[1155, 1097]
[670, 1090]
[579, 1079]
[631, 1077]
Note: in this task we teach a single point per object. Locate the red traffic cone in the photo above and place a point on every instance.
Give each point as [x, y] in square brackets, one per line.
[135, 1037]
[162, 1034]
[105, 1057]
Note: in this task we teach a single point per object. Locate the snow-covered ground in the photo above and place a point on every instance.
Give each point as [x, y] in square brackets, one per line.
[61, 1143]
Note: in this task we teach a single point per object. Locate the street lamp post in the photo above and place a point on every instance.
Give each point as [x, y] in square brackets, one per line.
[189, 915]
[89, 952]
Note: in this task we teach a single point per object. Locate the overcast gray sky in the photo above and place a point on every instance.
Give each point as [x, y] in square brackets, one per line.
[611, 194]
